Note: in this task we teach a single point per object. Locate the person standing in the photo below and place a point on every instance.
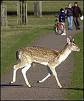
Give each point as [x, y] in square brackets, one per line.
[69, 14]
[76, 14]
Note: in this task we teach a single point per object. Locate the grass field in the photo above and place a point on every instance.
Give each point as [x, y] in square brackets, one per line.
[77, 75]
[16, 36]
[46, 5]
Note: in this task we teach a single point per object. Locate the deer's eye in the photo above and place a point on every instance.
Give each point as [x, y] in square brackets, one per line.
[73, 43]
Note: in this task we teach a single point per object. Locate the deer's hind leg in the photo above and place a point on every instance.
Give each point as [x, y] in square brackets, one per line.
[24, 70]
[15, 68]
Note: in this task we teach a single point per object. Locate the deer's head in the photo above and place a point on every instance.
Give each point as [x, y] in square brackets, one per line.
[72, 46]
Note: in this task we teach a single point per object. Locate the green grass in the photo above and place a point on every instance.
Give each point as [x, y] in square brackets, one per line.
[77, 75]
[46, 5]
[33, 21]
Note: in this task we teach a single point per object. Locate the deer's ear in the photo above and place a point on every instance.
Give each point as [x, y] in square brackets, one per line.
[73, 39]
[68, 40]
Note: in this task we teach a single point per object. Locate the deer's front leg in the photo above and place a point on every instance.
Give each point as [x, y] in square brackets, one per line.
[46, 77]
[55, 74]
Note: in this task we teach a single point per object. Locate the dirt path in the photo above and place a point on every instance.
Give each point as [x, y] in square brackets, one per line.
[47, 90]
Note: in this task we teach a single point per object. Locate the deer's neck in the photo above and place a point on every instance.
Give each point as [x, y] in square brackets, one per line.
[64, 53]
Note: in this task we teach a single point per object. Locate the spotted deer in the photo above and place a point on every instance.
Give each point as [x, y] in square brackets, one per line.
[44, 56]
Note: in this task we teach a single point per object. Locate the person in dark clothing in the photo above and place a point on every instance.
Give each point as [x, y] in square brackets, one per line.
[62, 15]
[62, 19]
[76, 14]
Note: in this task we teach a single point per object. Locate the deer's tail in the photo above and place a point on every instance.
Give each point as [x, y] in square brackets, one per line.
[17, 55]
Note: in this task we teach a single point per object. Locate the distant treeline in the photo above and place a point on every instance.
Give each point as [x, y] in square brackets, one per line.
[14, 13]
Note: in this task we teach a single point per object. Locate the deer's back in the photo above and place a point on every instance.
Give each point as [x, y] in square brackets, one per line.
[39, 53]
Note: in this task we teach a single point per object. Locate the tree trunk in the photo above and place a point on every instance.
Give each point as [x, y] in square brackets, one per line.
[22, 12]
[4, 21]
[38, 8]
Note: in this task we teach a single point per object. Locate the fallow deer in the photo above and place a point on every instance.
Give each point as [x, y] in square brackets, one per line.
[44, 56]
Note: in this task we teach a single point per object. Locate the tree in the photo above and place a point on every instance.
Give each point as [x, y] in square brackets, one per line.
[22, 12]
[38, 8]
[3, 14]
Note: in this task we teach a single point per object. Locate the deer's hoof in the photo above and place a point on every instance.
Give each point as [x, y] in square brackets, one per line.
[60, 86]
[37, 81]
[29, 86]
[10, 83]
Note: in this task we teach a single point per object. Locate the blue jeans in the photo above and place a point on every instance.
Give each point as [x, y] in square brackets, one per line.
[70, 22]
